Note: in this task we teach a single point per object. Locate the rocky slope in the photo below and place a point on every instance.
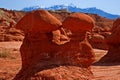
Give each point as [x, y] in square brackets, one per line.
[8, 19]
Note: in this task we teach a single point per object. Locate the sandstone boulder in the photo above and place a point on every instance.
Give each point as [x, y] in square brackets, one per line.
[83, 22]
[39, 20]
[42, 59]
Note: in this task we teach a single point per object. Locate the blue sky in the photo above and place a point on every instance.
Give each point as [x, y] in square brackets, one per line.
[111, 6]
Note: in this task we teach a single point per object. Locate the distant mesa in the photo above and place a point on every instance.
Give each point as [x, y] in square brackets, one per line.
[72, 8]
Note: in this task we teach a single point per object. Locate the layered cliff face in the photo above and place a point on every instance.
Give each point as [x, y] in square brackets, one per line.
[113, 42]
[43, 59]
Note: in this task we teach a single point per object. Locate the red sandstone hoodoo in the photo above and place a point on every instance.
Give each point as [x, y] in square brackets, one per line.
[43, 59]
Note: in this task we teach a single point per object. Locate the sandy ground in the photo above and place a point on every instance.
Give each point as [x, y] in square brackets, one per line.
[105, 71]
[11, 64]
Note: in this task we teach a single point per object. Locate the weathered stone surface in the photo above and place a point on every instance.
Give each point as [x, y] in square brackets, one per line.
[79, 22]
[116, 24]
[10, 16]
[113, 42]
[40, 20]
[41, 58]
[98, 38]
[98, 41]
[11, 34]
[64, 73]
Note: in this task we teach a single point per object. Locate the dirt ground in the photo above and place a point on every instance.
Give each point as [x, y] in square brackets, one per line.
[105, 71]
[10, 63]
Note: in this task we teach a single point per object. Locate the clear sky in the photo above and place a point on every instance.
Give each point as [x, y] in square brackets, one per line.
[111, 6]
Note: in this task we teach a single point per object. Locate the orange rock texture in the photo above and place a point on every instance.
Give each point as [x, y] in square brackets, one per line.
[79, 22]
[98, 41]
[113, 42]
[42, 59]
[39, 20]
[116, 24]
[8, 18]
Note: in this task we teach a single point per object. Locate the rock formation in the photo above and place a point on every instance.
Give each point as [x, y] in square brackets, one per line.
[10, 16]
[43, 59]
[116, 24]
[98, 40]
[79, 22]
[36, 21]
[8, 19]
[113, 41]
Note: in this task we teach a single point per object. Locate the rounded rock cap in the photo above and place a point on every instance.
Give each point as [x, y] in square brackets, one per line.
[78, 22]
[39, 20]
